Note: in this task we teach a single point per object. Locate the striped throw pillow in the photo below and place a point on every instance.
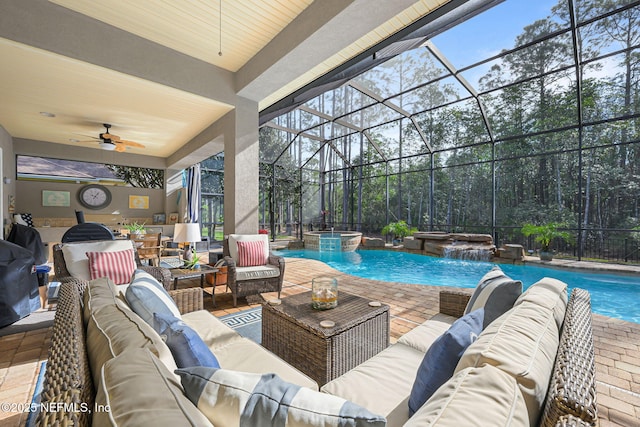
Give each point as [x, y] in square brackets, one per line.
[147, 296]
[251, 253]
[118, 265]
[496, 293]
[245, 399]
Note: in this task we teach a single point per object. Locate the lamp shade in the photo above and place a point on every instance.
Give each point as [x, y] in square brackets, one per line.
[186, 232]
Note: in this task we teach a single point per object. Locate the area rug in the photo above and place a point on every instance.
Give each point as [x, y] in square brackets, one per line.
[174, 262]
[247, 323]
[35, 399]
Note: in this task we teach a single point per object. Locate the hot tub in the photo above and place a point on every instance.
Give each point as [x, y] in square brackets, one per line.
[345, 241]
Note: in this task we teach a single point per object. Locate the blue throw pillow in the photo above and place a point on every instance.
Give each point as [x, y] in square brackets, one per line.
[185, 344]
[441, 359]
[145, 295]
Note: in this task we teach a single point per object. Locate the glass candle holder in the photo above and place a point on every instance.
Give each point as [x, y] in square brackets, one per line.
[324, 293]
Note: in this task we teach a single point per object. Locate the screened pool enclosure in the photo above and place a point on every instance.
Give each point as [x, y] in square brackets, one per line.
[525, 112]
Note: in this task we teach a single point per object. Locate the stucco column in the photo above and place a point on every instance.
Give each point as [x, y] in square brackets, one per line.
[241, 155]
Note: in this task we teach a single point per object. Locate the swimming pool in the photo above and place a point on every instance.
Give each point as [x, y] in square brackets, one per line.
[611, 295]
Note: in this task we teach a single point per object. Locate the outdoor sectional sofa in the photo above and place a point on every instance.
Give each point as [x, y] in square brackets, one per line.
[533, 365]
[502, 379]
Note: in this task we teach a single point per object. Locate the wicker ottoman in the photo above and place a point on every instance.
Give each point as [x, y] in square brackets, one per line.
[292, 331]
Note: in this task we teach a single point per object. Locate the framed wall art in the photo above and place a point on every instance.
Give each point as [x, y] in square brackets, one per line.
[159, 218]
[138, 202]
[173, 218]
[56, 198]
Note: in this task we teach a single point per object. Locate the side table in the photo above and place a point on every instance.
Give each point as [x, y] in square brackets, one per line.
[292, 331]
[186, 273]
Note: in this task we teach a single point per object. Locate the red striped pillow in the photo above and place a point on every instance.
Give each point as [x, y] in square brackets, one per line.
[118, 266]
[251, 253]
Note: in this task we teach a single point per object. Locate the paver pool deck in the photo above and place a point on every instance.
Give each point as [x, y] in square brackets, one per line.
[617, 342]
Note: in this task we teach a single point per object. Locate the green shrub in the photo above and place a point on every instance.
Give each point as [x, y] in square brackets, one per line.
[398, 229]
[546, 233]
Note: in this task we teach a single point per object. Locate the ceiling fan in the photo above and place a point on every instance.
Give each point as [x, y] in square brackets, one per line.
[111, 142]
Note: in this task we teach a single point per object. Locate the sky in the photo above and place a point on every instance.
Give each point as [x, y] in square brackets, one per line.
[492, 31]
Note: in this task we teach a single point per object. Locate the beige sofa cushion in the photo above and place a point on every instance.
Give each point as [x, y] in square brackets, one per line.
[241, 354]
[472, 397]
[550, 294]
[100, 293]
[113, 329]
[75, 254]
[212, 330]
[247, 356]
[382, 384]
[523, 342]
[422, 336]
[140, 391]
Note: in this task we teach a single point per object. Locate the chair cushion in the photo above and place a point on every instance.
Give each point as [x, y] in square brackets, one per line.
[251, 253]
[186, 346]
[234, 238]
[75, 254]
[229, 398]
[496, 293]
[257, 272]
[441, 359]
[146, 296]
[471, 396]
[140, 391]
[118, 265]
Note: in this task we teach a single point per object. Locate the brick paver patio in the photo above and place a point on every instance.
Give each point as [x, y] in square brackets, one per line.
[617, 343]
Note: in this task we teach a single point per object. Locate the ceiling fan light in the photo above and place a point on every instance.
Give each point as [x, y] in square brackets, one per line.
[109, 146]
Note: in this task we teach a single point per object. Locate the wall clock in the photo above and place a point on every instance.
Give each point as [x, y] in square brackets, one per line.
[94, 196]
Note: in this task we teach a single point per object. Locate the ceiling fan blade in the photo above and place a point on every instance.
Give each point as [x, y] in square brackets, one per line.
[110, 136]
[120, 148]
[130, 143]
[87, 136]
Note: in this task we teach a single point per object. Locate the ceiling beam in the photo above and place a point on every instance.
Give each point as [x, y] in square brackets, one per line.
[321, 30]
[53, 28]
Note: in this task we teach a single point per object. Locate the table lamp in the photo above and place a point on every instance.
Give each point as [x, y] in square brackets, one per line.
[187, 232]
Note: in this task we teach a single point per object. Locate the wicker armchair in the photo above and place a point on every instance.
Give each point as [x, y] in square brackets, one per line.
[245, 281]
[162, 274]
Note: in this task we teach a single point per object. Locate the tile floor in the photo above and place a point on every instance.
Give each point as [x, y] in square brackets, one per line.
[617, 343]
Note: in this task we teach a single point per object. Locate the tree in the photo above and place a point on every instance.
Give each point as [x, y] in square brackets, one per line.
[139, 177]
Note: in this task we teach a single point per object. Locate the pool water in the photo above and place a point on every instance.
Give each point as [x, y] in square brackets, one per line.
[611, 295]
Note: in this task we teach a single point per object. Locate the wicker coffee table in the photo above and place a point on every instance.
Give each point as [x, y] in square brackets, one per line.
[292, 331]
